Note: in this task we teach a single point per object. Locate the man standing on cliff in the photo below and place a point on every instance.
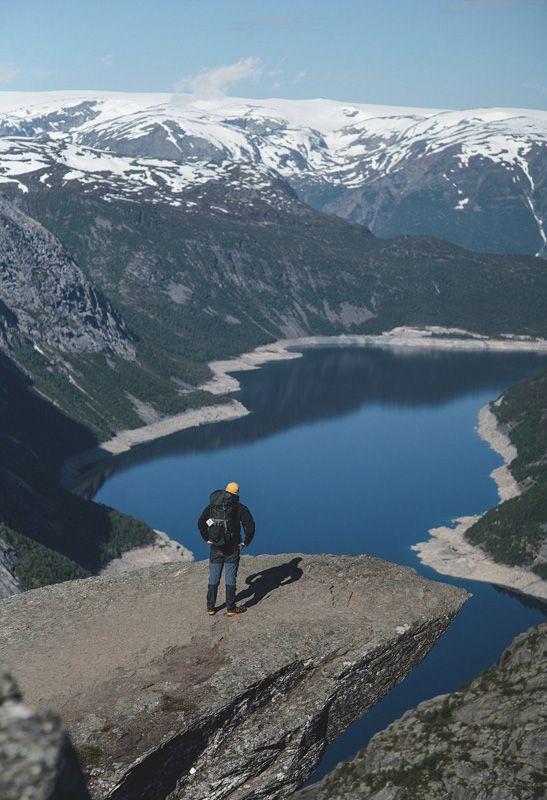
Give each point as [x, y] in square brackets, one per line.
[220, 526]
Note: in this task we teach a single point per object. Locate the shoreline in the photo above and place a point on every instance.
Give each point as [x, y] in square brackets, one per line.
[163, 550]
[448, 552]
[73, 472]
[223, 382]
[401, 338]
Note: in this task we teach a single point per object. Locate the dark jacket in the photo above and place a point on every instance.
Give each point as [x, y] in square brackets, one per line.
[245, 519]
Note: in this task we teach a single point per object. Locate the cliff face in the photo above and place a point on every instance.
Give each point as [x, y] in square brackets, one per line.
[486, 741]
[46, 300]
[164, 702]
[64, 333]
[8, 561]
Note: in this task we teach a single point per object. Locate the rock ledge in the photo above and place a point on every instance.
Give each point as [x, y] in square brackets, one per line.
[164, 702]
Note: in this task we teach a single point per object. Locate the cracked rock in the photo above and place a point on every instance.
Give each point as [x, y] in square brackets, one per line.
[163, 701]
[487, 741]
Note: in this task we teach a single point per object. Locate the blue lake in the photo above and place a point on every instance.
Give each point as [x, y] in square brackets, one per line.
[350, 450]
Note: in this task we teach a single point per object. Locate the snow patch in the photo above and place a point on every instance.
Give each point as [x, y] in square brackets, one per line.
[321, 140]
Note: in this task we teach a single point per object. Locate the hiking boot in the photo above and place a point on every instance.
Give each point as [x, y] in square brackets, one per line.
[233, 612]
[211, 612]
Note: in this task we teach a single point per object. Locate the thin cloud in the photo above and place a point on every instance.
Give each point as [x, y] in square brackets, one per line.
[299, 76]
[536, 86]
[268, 23]
[107, 60]
[44, 72]
[271, 22]
[491, 5]
[217, 81]
[8, 72]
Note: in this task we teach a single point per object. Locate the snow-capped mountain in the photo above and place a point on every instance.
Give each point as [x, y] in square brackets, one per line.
[477, 177]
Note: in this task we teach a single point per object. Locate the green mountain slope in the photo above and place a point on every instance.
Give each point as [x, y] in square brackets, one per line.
[232, 270]
[202, 284]
[69, 337]
[515, 532]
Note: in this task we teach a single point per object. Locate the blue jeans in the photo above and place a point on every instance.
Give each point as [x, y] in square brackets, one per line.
[217, 562]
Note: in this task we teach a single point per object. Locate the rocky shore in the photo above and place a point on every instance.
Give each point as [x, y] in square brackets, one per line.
[163, 550]
[449, 552]
[431, 337]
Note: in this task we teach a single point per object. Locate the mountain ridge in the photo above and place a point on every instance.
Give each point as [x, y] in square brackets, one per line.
[475, 177]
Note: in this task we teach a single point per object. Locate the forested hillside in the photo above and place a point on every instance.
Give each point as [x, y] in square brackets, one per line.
[515, 532]
[56, 535]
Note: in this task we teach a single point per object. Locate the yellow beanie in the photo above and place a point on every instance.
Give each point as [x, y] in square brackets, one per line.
[233, 488]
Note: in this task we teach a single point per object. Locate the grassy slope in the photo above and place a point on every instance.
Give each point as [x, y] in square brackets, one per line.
[515, 531]
[40, 565]
[101, 400]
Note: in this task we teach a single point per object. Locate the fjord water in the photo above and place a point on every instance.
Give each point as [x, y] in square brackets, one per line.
[350, 450]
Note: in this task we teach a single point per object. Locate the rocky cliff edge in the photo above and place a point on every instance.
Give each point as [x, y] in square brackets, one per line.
[487, 741]
[162, 701]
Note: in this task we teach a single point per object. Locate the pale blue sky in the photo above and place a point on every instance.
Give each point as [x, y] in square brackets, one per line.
[435, 53]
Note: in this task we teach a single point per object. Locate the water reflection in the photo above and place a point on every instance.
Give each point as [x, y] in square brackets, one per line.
[330, 382]
[537, 604]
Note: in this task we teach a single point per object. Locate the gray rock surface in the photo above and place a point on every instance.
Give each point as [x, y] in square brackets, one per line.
[37, 760]
[45, 297]
[170, 703]
[8, 561]
[487, 741]
[165, 141]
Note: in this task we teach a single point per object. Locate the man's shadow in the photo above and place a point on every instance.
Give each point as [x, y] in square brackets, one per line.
[261, 584]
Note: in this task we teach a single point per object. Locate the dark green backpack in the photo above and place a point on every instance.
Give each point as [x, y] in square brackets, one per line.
[223, 522]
